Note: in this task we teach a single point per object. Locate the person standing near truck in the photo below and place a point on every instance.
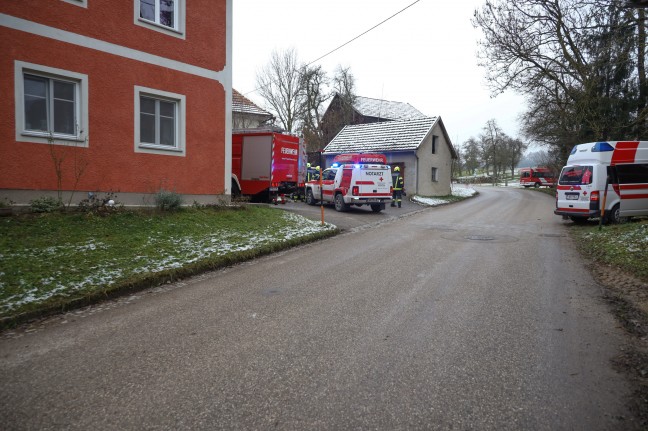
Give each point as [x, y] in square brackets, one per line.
[398, 188]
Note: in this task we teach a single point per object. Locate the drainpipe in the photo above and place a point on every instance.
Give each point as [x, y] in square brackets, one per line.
[417, 173]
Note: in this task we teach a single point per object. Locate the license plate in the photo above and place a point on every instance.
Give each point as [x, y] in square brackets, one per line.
[274, 189]
[571, 196]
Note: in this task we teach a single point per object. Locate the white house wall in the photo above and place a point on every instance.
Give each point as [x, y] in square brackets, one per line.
[442, 160]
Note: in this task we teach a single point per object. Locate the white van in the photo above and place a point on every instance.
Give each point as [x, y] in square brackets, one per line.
[581, 185]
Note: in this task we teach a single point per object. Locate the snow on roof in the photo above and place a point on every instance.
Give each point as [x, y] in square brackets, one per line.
[404, 135]
[242, 104]
[386, 109]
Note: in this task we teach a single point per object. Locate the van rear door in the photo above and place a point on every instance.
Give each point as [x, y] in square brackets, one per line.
[574, 189]
[373, 181]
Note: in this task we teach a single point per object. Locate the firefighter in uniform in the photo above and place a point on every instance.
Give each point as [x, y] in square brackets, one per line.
[398, 188]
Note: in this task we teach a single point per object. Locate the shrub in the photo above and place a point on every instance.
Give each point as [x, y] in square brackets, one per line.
[167, 200]
[100, 205]
[45, 204]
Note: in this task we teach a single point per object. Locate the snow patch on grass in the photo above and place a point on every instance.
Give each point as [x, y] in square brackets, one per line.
[459, 190]
[184, 251]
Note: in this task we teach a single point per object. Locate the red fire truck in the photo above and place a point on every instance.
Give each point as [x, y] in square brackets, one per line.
[267, 164]
[536, 177]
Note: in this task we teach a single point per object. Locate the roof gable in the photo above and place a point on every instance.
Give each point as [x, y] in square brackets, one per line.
[404, 135]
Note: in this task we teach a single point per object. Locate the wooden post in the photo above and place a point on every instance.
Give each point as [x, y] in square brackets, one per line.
[321, 169]
[607, 182]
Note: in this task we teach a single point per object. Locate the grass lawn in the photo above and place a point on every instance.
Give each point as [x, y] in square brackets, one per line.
[50, 261]
[622, 245]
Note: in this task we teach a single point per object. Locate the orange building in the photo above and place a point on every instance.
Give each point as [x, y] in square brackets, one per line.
[128, 97]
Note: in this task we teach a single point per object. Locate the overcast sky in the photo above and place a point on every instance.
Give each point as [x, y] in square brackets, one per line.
[425, 56]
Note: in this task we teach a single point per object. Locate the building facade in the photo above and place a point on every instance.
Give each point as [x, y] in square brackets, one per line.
[127, 97]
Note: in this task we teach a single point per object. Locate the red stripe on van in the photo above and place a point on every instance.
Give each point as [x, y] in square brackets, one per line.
[624, 152]
[634, 186]
[569, 187]
[365, 183]
[574, 210]
[630, 196]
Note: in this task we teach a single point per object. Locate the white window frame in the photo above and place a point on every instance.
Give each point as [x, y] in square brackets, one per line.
[180, 122]
[80, 138]
[82, 3]
[435, 174]
[177, 31]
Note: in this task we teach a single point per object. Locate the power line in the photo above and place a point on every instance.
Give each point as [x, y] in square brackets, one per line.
[351, 40]
[363, 33]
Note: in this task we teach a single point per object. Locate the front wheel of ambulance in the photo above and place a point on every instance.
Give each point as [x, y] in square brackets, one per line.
[310, 199]
[614, 216]
[339, 203]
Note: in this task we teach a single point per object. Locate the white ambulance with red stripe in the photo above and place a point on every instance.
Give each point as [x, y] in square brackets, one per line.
[353, 179]
[622, 165]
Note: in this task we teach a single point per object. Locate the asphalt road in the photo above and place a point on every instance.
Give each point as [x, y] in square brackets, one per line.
[478, 315]
[356, 218]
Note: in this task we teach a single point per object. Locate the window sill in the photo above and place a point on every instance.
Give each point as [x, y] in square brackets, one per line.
[144, 146]
[161, 28]
[53, 139]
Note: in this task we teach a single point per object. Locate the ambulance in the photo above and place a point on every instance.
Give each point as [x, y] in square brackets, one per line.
[622, 165]
[353, 179]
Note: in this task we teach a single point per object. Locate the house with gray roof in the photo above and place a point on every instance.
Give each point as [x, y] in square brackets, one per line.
[247, 115]
[363, 110]
[420, 146]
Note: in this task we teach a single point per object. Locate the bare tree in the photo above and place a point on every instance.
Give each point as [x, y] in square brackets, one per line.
[279, 84]
[579, 62]
[491, 142]
[457, 165]
[314, 82]
[343, 98]
[513, 150]
[471, 154]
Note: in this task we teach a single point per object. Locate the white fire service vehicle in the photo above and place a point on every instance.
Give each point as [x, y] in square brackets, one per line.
[623, 165]
[353, 179]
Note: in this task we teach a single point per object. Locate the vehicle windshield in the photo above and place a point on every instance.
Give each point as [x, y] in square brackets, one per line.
[576, 175]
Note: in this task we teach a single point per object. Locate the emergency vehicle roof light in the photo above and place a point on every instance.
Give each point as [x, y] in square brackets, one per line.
[573, 151]
[334, 165]
[356, 166]
[601, 147]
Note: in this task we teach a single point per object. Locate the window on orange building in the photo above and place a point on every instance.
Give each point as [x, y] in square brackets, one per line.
[159, 121]
[161, 12]
[51, 105]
